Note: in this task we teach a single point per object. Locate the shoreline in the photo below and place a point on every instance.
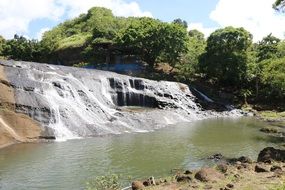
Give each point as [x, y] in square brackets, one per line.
[267, 172]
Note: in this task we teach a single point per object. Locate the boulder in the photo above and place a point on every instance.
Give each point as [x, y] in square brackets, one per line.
[222, 168]
[137, 185]
[187, 172]
[275, 168]
[260, 169]
[270, 154]
[217, 156]
[208, 174]
[183, 178]
[244, 159]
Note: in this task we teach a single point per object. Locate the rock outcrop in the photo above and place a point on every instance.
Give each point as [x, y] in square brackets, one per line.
[68, 102]
[270, 154]
[14, 127]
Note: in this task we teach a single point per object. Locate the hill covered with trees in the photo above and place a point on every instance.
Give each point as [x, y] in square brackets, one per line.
[228, 58]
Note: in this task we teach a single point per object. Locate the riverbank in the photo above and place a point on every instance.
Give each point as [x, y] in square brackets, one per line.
[267, 173]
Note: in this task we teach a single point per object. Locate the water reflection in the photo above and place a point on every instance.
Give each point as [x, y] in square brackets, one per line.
[68, 165]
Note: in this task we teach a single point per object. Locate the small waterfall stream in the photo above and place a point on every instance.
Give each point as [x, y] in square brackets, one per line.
[72, 103]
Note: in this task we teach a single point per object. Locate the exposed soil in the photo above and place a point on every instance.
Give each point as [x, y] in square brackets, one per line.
[14, 127]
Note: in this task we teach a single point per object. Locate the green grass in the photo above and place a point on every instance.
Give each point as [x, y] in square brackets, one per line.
[77, 40]
[272, 115]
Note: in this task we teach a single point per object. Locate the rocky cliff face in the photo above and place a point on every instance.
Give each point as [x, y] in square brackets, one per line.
[14, 127]
[71, 103]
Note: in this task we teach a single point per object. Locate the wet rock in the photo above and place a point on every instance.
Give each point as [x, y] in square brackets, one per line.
[187, 172]
[137, 185]
[240, 160]
[230, 185]
[260, 169]
[270, 154]
[217, 156]
[208, 174]
[183, 178]
[275, 168]
[271, 129]
[149, 182]
[222, 167]
[244, 159]
[146, 183]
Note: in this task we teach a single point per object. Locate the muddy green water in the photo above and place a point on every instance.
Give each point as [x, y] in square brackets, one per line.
[68, 165]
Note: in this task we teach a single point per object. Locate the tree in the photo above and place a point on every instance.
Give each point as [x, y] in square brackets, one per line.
[281, 49]
[2, 44]
[273, 77]
[279, 5]
[181, 22]
[226, 57]
[150, 38]
[267, 48]
[189, 63]
[20, 48]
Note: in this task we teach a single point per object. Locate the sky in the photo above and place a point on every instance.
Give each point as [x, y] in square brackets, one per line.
[31, 18]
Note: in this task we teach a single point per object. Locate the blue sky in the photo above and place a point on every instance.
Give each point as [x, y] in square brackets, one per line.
[189, 10]
[32, 17]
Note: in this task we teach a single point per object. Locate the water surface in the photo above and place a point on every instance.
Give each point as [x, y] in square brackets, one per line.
[68, 165]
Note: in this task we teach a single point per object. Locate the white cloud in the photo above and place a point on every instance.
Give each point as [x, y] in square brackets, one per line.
[16, 15]
[199, 26]
[257, 16]
[119, 7]
[41, 32]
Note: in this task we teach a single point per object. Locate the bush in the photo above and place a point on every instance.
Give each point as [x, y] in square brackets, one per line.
[110, 182]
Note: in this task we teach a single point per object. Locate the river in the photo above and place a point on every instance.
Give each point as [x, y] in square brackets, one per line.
[70, 164]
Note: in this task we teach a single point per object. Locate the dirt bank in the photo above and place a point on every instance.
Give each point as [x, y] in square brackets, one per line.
[267, 173]
[14, 127]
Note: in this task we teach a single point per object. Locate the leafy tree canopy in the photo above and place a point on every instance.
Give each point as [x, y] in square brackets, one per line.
[151, 38]
[267, 48]
[279, 5]
[226, 56]
[181, 22]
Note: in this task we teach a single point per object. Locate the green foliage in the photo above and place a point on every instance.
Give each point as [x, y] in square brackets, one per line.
[226, 57]
[181, 22]
[81, 64]
[20, 48]
[279, 5]
[188, 65]
[110, 182]
[273, 77]
[267, 48]
[281, 49]
[77, 40]
[2, 44]
[150, 38]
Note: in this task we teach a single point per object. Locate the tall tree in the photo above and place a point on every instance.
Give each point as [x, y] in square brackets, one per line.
[189, 63]
[150, 38]
[181, 22]
[226, 56]
[20, 48]
[279, 5]
[2, 44]
[267, 48]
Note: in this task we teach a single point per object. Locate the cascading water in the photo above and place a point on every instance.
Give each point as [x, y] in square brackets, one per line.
[70, 102]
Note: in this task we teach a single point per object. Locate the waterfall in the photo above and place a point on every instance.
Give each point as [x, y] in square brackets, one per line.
[72, 103]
